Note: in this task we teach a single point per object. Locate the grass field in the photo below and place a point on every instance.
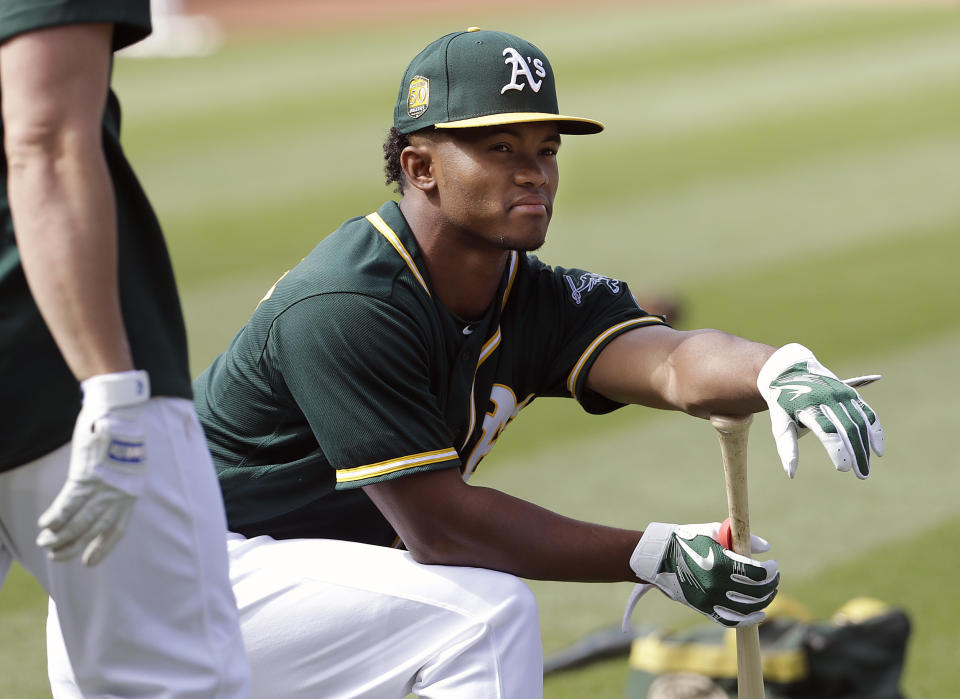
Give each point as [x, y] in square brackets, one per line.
[790, 171]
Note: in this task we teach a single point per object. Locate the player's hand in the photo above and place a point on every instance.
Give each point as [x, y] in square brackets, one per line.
[802, 393]
[687, 564]
[107, 470]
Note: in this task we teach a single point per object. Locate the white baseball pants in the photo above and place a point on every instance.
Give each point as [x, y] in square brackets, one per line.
[327, 618]
[157, 617]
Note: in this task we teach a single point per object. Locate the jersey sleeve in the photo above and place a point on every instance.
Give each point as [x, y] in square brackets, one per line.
[131, 18]
[359, 371]
[582, 312]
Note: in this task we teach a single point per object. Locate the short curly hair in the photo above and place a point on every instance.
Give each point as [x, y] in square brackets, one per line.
[392, 148]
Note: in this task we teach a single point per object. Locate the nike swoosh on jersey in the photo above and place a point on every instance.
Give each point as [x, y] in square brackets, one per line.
[705, 563]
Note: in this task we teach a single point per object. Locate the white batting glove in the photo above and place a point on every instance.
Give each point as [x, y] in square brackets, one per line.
[689, 565]
[108, 466]
[802, 393]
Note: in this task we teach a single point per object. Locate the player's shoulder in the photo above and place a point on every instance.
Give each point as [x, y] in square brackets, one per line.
[352, 269]
[570, 284]
[352, 259]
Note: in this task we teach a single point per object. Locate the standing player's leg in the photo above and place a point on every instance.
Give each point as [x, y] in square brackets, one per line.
[157, 616]
[6, 560]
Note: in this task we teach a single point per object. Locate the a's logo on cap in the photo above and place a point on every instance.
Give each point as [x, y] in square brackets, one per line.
[522, 69]
[418, 96]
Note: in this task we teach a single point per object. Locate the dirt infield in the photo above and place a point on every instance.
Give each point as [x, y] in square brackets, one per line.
[249, 16]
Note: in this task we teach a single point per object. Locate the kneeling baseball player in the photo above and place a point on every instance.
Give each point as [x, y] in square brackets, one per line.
[348, 414]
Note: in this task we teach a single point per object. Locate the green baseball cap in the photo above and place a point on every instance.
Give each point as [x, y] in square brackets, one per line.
[481, 78]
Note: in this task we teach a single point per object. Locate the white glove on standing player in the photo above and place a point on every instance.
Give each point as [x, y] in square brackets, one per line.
[107, 470]
[688, 565]
[801, 392]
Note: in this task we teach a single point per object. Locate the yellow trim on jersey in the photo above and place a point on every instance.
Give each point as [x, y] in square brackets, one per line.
[514, 259]
[473, 412]
[575, 373]
[387, 232]
[359, 473]
[488, 347]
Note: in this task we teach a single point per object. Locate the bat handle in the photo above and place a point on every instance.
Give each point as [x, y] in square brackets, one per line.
[732, 433]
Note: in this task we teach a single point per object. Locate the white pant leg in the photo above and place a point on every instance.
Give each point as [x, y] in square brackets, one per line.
[6, 560]
[326, 618]
[157, 617]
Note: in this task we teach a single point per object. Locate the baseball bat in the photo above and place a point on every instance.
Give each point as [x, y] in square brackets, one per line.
[732, 433]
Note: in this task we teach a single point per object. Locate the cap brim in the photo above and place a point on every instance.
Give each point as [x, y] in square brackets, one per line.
[565, 124]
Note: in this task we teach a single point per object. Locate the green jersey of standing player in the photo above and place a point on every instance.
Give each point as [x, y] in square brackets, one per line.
[351, 371]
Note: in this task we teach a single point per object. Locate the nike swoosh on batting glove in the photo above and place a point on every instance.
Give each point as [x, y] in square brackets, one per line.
[688, 565]
[802, 393]
[107, 471]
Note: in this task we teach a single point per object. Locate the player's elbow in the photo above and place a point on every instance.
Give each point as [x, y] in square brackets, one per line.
[47, 144]
[436, 548]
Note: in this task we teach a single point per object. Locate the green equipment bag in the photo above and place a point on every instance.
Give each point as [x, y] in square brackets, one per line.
[858, 654]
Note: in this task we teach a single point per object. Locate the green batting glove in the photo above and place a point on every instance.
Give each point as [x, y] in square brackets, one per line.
[688, 565]
[802, 393]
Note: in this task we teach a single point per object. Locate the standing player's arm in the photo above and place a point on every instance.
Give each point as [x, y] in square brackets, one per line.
[443, 520]
[55, 84]
[701, 372]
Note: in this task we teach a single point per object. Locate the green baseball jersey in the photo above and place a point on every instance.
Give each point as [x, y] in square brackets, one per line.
[41, 397]
[351, 372]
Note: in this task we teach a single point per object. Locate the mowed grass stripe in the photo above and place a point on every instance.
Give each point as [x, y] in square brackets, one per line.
[651, 42]
[254, 74]
[876, 296]
[725, 90]
[647, 163]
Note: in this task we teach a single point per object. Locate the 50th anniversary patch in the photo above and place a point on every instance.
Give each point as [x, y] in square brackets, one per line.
[418, 96]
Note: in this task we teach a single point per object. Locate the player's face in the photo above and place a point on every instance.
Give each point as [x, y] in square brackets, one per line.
[497, 184]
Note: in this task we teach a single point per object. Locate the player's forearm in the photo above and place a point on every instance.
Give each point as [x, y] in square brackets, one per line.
[55, 84]
[701, 372]
[713, 372]
[487, 528]
[63, 212]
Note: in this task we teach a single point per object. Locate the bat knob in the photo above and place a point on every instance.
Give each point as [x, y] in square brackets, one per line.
[731, 424]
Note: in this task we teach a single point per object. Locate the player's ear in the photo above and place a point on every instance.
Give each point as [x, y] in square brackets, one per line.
[416, 160]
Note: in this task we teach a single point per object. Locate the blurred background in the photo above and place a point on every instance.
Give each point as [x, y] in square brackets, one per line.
[784, 171]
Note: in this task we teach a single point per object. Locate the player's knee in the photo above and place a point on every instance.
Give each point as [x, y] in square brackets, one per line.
[511, 601]
[523, 603]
